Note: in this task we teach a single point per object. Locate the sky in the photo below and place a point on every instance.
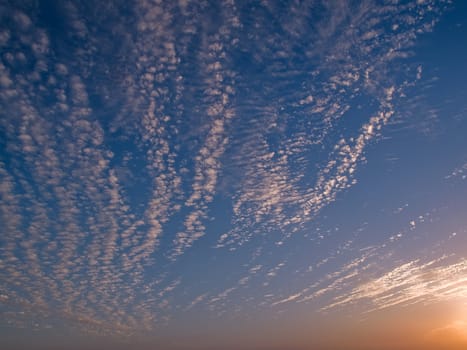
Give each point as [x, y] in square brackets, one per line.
[233, 174]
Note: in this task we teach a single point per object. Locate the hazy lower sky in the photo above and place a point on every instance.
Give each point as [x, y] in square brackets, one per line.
[196, 174]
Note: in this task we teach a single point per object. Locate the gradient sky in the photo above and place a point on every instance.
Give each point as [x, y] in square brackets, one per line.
[233, 174]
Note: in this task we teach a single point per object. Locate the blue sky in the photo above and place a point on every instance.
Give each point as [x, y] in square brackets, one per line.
[199, 174]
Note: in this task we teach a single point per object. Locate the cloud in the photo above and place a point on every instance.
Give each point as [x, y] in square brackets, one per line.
[458, 173]
[274, 194]
[289, 298]
[453, 334]
[412, 282]
[218, 93]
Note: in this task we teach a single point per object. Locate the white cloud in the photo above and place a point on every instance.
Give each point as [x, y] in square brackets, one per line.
[412, 282]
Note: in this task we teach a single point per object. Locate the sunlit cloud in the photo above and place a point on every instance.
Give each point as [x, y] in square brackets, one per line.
[412, 282]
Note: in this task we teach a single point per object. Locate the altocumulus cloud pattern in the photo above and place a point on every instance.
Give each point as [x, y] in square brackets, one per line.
[167, 161]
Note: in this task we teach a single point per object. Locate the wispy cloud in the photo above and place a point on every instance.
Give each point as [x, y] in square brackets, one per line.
[412, 282]
[458, 173]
